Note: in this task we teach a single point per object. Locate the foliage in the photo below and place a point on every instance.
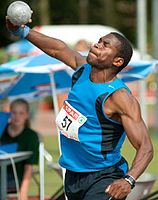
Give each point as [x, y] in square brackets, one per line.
[120, 14]
[64, 12]
[3, 56]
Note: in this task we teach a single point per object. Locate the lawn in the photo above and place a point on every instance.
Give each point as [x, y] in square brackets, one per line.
[53, 180]
[129, 153]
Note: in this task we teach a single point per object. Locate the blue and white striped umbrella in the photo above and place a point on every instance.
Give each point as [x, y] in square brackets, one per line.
[32, 76]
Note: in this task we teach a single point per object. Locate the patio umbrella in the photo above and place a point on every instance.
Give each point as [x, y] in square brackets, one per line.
[36, 75]
[8, 78]
[138, 70]
[22, 48]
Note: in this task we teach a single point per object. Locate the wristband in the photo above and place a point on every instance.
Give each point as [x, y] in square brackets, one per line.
[22, 32]
[130, 180]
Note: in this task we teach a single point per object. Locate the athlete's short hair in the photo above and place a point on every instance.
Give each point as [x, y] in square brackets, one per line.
[125, 50]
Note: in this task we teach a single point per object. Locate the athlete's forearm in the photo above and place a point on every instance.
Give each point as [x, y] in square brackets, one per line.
[141, 161]
[47, 44]
[56, 48]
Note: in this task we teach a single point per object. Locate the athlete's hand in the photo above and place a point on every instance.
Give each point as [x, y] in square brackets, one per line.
[10, 26]
[118, 189]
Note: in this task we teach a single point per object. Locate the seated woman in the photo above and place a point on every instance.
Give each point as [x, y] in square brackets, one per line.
[19, 132]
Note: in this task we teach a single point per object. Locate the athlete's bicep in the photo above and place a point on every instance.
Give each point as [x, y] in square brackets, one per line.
[71, 58]
[133, 123]
[126, 106]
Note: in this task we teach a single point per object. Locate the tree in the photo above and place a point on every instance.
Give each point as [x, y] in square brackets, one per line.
[44, 12]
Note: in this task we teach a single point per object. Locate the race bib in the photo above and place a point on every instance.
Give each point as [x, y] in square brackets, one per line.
[69, 120]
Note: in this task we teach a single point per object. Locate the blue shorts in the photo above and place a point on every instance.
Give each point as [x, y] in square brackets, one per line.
[92, 185]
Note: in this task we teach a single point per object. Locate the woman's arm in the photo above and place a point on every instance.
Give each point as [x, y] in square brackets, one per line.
[25, 182]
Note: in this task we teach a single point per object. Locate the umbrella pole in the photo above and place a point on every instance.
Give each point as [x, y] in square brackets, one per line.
[54, 94]
[41, 151]
[142, 41]
[56, 110]
[55, 102]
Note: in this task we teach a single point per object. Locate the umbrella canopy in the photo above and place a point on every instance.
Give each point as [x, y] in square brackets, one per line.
[7, 80]
[22, 47]
[32, 78]
[137, 70]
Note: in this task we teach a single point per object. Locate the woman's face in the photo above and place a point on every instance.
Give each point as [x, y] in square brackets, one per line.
[19, 115]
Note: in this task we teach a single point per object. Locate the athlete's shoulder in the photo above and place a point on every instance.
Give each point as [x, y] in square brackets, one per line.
[124, 99]
[122, 92]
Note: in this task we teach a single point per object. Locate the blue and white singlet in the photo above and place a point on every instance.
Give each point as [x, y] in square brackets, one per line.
[99, 139]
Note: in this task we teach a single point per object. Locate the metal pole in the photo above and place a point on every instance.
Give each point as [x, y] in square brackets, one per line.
[56, 110]
[55, 102]
[142, 47]
[41, 152]
[54, 94]
[155, 48]
[155, 27]
[3, 179]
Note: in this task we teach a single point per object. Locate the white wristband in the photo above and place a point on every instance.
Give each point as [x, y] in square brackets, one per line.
[130, 179]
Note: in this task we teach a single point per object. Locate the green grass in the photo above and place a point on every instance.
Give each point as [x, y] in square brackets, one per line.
[129, 154]
[53, 180]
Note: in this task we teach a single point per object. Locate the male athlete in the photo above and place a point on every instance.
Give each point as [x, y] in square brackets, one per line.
[99, 112]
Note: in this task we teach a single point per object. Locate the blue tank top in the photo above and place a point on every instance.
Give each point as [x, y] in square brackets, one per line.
[100, 138]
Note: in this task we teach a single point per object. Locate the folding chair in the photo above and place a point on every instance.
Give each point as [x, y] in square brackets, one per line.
[143, 187]
[151, 196]
[59, 194]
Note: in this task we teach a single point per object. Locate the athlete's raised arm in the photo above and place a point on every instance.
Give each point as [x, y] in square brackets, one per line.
[51, 46]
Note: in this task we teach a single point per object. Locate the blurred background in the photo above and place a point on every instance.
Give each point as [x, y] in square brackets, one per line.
[120, 14]
[123, 15]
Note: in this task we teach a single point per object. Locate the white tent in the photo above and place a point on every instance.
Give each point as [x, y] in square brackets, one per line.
[72, 33]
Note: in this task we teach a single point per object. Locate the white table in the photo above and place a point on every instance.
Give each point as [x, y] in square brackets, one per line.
[5, 160]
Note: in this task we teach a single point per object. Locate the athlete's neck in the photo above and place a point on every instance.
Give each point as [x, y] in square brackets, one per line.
[102, 76]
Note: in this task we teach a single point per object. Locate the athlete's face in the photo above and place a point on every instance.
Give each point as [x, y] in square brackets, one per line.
[104, 53]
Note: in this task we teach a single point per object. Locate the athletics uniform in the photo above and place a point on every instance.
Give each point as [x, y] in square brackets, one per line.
[90, 141]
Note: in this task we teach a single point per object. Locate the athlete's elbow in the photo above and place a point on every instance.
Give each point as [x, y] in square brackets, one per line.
[149, 152]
